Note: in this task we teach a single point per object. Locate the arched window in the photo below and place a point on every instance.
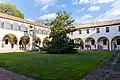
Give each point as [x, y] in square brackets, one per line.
[44, 31]
[23, 28]
[39, 31]
[1, 24]
[48, 32]
[15, 26]
[7, 25]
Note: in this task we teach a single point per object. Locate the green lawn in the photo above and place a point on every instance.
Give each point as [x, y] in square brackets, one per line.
[54, 66]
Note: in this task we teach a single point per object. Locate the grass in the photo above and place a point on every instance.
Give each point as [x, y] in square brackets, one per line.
[54, 66]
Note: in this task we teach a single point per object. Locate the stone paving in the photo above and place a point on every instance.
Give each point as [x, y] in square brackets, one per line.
[110, 70]
[8, 75]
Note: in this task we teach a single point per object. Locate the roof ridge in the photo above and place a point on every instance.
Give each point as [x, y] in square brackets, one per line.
[10, 17]
[98, 24]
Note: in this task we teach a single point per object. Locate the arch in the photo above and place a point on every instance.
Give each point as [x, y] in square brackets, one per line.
[103, 43]
[24, 40]
[38, 40]
[79, 43]
[44, 31]
[48, 32]
[7, 25]
[15, 26]
[10, 38]
[45, 40]
[22, 27]
[89, 39]
[115, 43]
[39, 31]
[90, 43]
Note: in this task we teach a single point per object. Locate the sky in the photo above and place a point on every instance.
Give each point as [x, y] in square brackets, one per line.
[83, 11]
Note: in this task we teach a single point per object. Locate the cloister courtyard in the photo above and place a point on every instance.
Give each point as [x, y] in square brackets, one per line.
[44, 66]
[57, 48]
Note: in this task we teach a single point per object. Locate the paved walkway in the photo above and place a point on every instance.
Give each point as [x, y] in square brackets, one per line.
[8, 75]
[108, 71]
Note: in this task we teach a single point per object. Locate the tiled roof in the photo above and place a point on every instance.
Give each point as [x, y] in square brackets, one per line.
[5, 16]
[97, 24]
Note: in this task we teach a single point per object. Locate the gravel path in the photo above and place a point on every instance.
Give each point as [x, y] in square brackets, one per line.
[8, 75]
[110, 70]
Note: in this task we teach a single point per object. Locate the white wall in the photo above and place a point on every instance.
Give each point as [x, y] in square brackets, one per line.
[113, 31]
[18, 33]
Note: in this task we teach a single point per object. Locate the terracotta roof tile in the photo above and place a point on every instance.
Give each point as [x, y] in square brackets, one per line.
[98, 24]
[6, 16]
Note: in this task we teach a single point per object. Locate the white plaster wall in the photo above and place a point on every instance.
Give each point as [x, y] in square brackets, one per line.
[17, 33]
[113, 31]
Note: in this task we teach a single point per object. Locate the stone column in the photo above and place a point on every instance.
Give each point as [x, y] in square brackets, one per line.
[31, 43]
[96, 43]
[110, 45]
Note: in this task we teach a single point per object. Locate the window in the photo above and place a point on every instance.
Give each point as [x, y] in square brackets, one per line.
[107, 29]
[119, 28]
[118, 41]
[98, 30]
[87, 31]
[104, 42]
[6, 41]
[80, 32]
[92, 42]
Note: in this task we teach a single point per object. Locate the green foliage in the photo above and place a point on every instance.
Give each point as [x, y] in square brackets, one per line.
[45, 22]
[60, 42]
[10, 9]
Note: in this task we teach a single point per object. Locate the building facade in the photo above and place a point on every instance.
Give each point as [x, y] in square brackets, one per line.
[19, 34]
[97, 35]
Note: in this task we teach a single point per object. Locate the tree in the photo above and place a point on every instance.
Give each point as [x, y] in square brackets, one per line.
[46, 22]
[60, 42]
[10, 9]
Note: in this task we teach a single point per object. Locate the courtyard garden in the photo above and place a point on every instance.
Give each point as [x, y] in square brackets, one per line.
[54, 66]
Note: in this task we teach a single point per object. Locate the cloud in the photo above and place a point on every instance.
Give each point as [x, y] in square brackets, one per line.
[45, 2]
[94, 8]
[105, 1]
[112, 13]
[44, 7]
[30, 20]
[80, 10]
[47, 16]
[61, 6]
[84, 19]
[1, 1]
[91, 1]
